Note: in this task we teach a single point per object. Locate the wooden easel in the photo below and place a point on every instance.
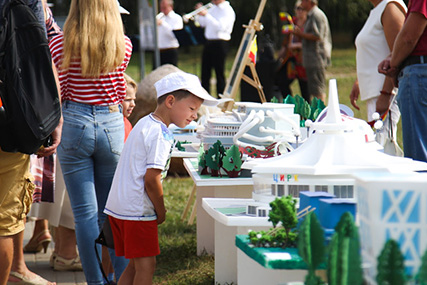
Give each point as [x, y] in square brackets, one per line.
[242, 60]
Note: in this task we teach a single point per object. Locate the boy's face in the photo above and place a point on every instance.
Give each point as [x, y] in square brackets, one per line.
[129, 101]
[184, 111]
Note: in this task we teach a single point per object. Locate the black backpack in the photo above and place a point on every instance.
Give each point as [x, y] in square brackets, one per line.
[31, 108]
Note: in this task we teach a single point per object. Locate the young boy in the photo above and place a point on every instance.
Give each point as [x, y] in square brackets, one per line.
[135, 204]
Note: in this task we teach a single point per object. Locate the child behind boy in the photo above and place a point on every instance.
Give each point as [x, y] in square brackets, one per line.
[129, 102]
[135, 204]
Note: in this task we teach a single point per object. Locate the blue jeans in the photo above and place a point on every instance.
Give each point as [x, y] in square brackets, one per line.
[92, 140]
[412, 100]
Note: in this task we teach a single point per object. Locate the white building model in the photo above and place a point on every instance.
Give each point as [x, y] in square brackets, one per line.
[338, 147]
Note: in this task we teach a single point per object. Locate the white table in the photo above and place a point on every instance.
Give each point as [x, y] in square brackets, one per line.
[228, 224]
[216, 187]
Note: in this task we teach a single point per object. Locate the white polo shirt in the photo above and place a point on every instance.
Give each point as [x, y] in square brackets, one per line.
[149, 145]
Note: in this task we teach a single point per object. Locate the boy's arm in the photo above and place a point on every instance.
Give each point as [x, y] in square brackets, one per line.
[154, 189]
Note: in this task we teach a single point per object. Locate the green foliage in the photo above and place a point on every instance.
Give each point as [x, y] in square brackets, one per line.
[344, 264]
[311, 246]
[316, 107]
[214, 156]
[274, 100]
[179, 144]
[277, 237]
[304, 109]
[202, 159]
[232, 161]
[178, 262]
[283, 210]
[422, 272]
[391, 268]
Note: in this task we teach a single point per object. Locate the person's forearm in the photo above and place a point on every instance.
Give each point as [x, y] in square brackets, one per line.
[154, 189]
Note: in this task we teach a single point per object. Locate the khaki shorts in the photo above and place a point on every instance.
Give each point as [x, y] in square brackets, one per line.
[16, 192]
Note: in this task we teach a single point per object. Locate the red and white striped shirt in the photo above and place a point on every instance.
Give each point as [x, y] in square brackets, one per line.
[108, 89]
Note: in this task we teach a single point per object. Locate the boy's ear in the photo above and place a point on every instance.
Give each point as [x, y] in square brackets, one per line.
[170, 100]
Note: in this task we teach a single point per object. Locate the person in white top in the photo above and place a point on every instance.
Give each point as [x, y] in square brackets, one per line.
[218, 23]
[167, 22]
[135, 203]
[373, 43]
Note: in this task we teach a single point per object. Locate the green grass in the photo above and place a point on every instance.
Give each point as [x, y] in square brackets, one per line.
[178, 262]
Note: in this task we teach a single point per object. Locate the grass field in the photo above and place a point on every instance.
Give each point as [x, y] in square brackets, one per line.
[178, 263]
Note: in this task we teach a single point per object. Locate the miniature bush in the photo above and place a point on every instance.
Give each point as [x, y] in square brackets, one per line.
[283, 211]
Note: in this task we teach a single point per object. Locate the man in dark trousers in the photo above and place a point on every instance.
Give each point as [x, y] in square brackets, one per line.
[218, 22]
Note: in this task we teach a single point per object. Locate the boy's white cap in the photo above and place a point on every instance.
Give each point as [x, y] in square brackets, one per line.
[122, 10]
[184, 81]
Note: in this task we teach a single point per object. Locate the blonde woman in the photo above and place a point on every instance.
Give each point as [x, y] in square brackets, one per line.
[91, 56]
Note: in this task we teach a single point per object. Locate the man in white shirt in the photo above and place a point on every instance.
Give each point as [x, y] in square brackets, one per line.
[218, 23]
[167, 22]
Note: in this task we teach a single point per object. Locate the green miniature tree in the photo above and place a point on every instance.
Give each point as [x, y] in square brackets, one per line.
[214, 158]
[179, 146]
[202, 164]
[422, 272]
[232, 161]
[316, 107]
[304, 109]
[290, 100]
[283, 211]
[391, 268]
[344, 264]
[274, 100]
[311, 247]
[202, 160]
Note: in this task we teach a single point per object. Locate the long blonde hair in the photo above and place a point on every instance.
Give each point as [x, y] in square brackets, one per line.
[94, 32]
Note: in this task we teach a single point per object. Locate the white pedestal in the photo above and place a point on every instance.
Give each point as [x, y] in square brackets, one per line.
[226, 229]
[213, 187]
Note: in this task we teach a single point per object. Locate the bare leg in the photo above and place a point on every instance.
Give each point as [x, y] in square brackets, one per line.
[18, 264]
[144, 270]
[6, 255]
[107, 265]
[128, 275]
[65, 242]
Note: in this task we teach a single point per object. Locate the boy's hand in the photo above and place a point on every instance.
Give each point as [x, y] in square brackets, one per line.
[161, 217]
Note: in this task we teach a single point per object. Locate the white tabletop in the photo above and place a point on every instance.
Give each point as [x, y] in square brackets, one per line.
[227, 212]
[206, 180]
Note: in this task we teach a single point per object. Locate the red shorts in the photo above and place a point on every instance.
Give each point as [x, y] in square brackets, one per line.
[134, 239]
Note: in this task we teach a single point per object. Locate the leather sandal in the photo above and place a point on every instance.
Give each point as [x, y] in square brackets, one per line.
[36, 244]
[62, 264]
[23, 280]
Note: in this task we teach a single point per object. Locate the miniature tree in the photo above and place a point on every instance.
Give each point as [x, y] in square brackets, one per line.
[344, 264]
[283, 210]
[290, 100]
[214, 158]
[422, 272]
[274, 100]
[391, 268]
[202, 160]
[316, 106]
[232, 161]
[179, 146]
[304, 109]
[311, 247]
